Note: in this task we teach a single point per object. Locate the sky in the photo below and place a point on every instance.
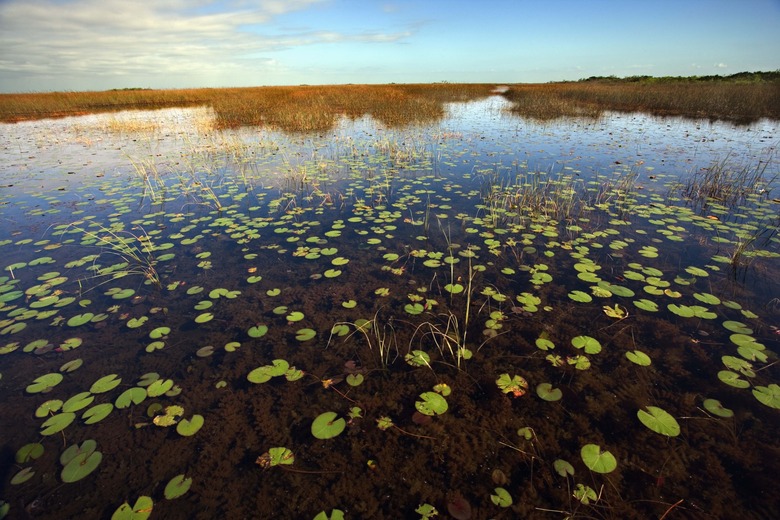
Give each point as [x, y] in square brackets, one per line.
[74, 45]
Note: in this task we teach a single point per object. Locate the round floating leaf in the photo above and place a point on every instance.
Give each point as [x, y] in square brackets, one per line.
[138, 511]
[72, 365]
[159, 332]
[159, 387]
[44, 383]
[597, 460]
[189, 427]
[29, 452]
[646, 305]
[204, 317]
[548, 393]
[580, 296]
[431, 403]
[349, 304]
[78, 402]
[738, 327]
[135, 395]
[295, 316]
[716, 408]
[97, 413]
[80, 466]
[501, 498]
[732, 379]
[544, 344]
[48, 407]
[134, 323]
[278, 456]
[305, 334]
[638, 357]
[768, 395]
[659, 420]
[177, 486]
[418, 358]
[80, 319]
[563, 468]
[327, 426]
[258, 331]
[591, 345]
[22, 476]
[105, 384]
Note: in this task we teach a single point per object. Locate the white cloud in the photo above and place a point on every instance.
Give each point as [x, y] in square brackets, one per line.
[98, 40]
[721, 66]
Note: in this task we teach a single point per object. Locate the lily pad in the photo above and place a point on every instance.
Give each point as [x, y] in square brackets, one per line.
[716, 408]
[97, 413]
[431, 403]
[141, 510]
[177, 486]
[597, 460]
[501, 497]
[589, 344]
[80, 466]
[548, 393]
[659, 420]
[135, 395]
[327, 426]
[44, 383]
[639, 358]
[768, 395]
[105, 384]
[189, 427]
[305, 334]
[257, 331]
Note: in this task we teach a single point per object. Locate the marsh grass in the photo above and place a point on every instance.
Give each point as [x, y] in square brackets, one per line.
[728, 100]
[728, 183]
[293, 109]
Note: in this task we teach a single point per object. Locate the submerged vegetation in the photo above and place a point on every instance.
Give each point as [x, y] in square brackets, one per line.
[382, 316]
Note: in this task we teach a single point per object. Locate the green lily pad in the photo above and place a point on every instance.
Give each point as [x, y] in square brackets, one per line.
[44, 383]
[189, 427]
[22, 476]
[135, 395]
[768, 395]
[204, 317]
[159, 387]
[563, 468]
[431, 403]
[327, 426]
[639, 358]
[105, 384]
[257, 331]
[716, 408]
[305, 334]
[501, 497]
[80, 319]
[141, 510]
[78, 402]
[580, 296]
[97, 413]
[29, 452]
[659, 420]
[278, 456]
[80, 466]
[597, 460]
[732, 379]
[177, 486]
[591, 345]
[548, 393]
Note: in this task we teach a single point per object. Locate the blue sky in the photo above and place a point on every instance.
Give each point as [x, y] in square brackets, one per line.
[48, 45]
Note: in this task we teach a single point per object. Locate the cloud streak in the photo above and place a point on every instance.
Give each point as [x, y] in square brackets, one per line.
[44, 41]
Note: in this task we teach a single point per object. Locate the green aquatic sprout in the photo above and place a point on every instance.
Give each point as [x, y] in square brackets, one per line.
[418, 358]
[563, 468]
[327, 425]
[426, 511]
[585, 494]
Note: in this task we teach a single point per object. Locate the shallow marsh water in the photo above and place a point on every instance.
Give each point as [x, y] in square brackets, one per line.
[394, 268]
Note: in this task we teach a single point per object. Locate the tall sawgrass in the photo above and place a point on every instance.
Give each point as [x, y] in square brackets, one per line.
[734, 101]
[297, 109]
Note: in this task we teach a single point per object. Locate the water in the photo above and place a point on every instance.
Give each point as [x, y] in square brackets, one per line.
[343, 253]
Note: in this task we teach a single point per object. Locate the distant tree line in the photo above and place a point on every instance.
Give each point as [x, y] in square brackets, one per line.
[739, 77]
